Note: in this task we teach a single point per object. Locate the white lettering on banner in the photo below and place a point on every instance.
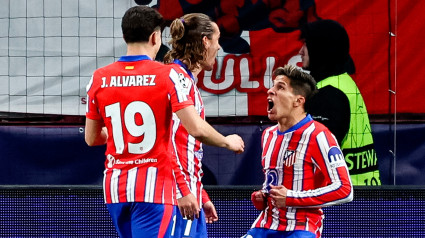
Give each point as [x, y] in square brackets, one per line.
[237, 72]
[294, 60]
[225, 84]
[244, 68]
[270, 61]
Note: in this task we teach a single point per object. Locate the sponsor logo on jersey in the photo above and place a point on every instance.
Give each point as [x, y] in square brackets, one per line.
[199, 154]
[336, 158]
[112, 161]
[271, 179]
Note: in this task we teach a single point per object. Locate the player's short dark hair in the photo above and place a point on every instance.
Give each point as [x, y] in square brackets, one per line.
[302, 82]
[139, 22]
[186, 38]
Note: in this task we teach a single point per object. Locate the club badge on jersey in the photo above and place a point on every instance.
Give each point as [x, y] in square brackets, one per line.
[185, 84]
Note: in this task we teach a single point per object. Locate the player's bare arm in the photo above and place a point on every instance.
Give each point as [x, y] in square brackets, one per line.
[95, 132]
[205, 133]
[235, 143]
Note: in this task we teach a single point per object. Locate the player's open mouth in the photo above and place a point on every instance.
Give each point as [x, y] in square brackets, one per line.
[270, 105]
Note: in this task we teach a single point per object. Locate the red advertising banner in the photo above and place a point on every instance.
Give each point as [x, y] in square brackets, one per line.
[407, 47]
[385, 41]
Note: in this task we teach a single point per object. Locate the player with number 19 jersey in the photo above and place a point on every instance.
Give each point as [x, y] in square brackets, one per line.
[135, 97]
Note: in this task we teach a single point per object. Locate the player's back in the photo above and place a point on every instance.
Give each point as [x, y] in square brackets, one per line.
[134, 99]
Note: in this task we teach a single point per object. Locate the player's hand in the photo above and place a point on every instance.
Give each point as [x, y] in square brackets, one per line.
[235, 143]
[278, 195]
[189, 207]
[258, 199]
[210, 212]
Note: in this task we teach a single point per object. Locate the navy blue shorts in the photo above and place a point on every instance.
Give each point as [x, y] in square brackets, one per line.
[187, 228]
[139, 219]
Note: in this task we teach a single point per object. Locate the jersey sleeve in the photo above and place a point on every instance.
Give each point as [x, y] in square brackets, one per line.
[179, 89]
[205, 197]
[179, 95]
[335, 187]
[181, 181]
[92, 110]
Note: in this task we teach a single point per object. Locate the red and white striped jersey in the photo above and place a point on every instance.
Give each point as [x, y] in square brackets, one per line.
[307, 160]
[135, 98]
[188, 150]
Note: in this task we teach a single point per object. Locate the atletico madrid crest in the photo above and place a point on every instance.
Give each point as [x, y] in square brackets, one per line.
[289, 157]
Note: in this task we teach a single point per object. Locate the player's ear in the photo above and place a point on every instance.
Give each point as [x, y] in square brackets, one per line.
[155, 38]
[206, 42]
[300, 100]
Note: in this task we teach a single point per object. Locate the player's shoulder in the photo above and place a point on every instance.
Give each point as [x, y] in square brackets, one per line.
[312, 127]
[104, 69]
[271, 129]
[173, 71]
[158, 66]
[178, 69]
[319, 127]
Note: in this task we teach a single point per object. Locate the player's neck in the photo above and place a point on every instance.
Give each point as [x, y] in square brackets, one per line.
[141, 49]
[196, 71]
[287, 122]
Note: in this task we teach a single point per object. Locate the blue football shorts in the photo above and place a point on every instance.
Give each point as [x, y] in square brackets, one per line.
[139, 219]
[196, 228]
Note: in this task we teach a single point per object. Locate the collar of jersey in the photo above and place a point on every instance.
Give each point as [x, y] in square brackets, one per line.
[131, 58]
[301, 123]
[179, 62]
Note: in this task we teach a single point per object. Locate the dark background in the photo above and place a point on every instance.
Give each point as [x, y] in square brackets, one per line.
[58, 155]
